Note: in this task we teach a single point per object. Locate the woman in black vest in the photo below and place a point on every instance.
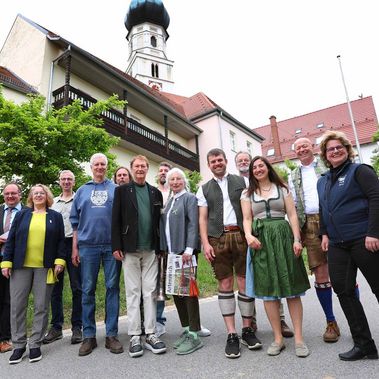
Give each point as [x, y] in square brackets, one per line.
[349, 225]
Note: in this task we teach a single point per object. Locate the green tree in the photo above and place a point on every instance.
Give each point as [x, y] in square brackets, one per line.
[282, 172]
[375, 157]
[36, 145]
[194, 179]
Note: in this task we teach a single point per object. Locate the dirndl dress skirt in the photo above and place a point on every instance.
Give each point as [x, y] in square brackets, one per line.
[274, 272]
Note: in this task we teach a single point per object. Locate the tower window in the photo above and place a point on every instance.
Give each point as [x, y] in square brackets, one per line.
[156, 71]
[232, 136]
[153, 41]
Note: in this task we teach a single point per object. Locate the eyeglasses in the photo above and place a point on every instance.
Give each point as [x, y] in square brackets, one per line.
[66, 179]
[334, 148]
[39, 194]
[11, 193]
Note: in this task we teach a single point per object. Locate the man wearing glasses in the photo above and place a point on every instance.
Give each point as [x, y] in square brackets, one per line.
[303, 186]
[63, 204]
[12, 204]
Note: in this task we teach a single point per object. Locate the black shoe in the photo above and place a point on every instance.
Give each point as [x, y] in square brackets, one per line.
[35, 354]
[77, 336]
[135, 347]
[53, 335]
[357, 353]
[250, 340]
[87, 346]
[232, 349]
[16, 356]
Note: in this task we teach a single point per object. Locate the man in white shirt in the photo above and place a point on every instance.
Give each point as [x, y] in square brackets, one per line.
[303, 186]
[224, 246]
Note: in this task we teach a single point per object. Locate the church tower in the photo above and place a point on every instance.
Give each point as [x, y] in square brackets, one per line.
[147, 22]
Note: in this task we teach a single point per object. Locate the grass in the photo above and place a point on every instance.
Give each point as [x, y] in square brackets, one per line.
[206, 282]
[205, 278]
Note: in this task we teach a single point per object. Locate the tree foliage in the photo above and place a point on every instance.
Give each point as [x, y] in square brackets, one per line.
[375, 157]
[194, 179]
[36, 145]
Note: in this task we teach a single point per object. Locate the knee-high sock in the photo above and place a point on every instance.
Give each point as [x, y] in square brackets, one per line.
[227, 303]
[324, 294]
[357, 291]
[246, 305]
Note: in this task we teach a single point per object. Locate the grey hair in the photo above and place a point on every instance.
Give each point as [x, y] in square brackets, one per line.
[98, 155]
[66, 172]
[176, 170]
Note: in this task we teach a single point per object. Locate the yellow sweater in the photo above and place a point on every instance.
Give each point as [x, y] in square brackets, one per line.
[36, 241]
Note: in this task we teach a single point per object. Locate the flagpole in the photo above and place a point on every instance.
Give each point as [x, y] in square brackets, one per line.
[351, 113]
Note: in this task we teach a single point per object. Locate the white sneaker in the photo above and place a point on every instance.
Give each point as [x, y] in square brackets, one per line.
[160, 329]
[203, 332]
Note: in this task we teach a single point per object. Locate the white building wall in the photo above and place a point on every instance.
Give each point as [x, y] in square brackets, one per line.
[216, 134]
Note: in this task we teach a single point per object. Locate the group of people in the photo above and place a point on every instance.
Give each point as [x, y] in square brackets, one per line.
[252, 229]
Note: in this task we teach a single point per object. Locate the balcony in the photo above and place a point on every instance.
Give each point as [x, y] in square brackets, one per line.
[134, 132]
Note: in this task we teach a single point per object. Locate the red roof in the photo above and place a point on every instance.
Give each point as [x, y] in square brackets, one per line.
[332, 118]
[193, 106]
[10, 79]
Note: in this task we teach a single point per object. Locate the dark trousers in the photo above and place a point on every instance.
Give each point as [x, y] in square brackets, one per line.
[188, 311]
[76, 290]
[5, 308]
[343, 261]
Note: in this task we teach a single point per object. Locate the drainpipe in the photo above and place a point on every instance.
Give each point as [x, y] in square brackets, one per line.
[220, 130]
[50, 87]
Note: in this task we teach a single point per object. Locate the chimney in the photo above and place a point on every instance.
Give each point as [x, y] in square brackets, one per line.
[275, 137]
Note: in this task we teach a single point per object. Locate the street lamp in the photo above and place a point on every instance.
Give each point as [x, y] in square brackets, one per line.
[351, 113]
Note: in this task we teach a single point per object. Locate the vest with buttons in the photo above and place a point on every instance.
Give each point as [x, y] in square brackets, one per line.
[344, 206]
[213, 194]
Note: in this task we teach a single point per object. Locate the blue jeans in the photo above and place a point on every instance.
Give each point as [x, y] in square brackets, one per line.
[90, 259]
[76, 290]
[160, 308]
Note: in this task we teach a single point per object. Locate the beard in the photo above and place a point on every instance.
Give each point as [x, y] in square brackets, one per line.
[243, 169]
[162, 180]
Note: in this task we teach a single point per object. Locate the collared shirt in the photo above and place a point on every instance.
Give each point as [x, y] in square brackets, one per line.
[188, 250]
[309, 186]
[229, 216]
[63, 206]
[16, 209]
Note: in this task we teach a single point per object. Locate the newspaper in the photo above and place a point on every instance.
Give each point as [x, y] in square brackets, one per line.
[178, 280]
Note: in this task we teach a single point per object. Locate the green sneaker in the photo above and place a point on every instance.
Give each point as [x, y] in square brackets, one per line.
[180, 340]
[189, 345]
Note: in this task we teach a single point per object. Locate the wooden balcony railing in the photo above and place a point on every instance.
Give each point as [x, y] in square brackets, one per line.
[134, 132]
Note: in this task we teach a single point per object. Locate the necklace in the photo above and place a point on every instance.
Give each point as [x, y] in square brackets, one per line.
[266, 189]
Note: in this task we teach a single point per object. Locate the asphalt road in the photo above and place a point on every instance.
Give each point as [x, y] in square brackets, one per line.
[61, 360]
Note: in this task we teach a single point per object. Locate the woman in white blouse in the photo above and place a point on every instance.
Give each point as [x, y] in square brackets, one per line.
[180, 235]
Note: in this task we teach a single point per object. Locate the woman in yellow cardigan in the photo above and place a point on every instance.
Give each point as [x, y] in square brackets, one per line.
[33, 258]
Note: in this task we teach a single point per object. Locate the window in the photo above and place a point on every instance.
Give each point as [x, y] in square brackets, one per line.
[320, 125]
[154, 70]
[153, 41]
[270, 152]
[298, 131]
[318, 140]
[232, 140]
[249, 147]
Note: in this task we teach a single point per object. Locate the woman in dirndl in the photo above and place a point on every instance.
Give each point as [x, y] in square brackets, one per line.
[277, 270]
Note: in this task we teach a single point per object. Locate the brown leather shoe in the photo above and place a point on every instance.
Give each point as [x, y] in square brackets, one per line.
[5, 346]
[114, 345]
[87, 346]
[332, 332]
[286, 331]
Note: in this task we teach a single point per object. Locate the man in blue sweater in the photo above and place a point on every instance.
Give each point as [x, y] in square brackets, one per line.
[91, 223]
